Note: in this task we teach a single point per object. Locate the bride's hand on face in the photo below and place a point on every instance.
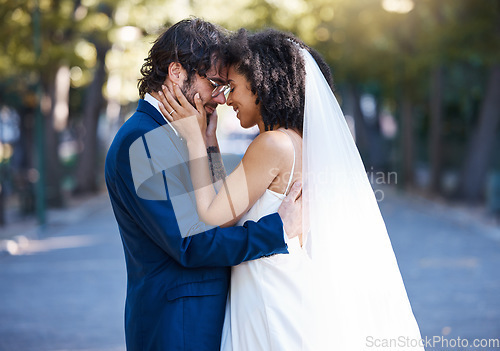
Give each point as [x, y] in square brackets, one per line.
[190, 122]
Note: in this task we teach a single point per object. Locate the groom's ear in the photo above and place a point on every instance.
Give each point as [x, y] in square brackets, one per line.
[177, 73]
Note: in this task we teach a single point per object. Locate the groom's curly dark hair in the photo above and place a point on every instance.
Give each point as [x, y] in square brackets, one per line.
[272, 63]
[194, 43]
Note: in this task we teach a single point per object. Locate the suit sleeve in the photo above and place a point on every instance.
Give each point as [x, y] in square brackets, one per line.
[167, 215]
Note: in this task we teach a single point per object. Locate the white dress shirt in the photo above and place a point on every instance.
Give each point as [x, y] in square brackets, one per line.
[153, 101]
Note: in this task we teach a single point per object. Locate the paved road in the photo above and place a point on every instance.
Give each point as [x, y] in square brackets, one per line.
[66, 290]
[450, 262]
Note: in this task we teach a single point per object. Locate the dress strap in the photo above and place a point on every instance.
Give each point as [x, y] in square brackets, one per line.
[293, 165]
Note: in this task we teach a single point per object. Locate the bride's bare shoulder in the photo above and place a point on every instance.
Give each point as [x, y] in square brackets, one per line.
[270, 149]
[273, 141]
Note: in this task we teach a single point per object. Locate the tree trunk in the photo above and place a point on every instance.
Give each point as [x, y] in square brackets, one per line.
[53, 176]
[87, 171]
[435, 137]
[359, 125]
[407, 140]
[2, 195]
[480, 149]
[378, 155]
[25, 181]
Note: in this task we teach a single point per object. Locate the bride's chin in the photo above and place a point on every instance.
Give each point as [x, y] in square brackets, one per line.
[245, 126]
[242, 124]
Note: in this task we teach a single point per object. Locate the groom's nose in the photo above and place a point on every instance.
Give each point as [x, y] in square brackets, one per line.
[220, 99]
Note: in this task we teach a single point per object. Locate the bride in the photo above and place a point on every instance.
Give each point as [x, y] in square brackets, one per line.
[339, 288]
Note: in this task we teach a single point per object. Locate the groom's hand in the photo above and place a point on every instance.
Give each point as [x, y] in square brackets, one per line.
[290, 211]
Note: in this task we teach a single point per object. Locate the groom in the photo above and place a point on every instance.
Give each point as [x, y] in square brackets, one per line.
[177, 267]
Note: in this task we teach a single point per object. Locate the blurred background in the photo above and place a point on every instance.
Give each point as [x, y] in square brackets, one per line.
[418, 81]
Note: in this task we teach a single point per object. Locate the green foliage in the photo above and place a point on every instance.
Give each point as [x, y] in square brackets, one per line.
[379, 51]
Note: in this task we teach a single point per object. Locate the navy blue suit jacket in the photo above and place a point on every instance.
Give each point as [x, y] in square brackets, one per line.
[177, 279]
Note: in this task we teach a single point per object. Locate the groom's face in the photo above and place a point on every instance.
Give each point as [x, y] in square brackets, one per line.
[205, 87]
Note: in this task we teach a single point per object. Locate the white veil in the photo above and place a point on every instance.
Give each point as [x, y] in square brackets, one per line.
[360, 299]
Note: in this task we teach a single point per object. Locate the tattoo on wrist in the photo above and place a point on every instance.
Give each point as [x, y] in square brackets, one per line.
[215, 162]
[212, 149]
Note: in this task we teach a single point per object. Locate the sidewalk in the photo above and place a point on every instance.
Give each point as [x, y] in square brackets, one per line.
[448, 257]
[64, 287]
[475, 218]
[15, 236]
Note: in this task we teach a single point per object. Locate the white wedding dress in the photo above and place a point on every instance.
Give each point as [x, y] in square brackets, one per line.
[267, 307]
[342, 290]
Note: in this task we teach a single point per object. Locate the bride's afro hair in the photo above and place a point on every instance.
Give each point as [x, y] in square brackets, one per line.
[273, 65]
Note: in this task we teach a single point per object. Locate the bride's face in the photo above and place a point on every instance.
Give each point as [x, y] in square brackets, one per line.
[243, 100]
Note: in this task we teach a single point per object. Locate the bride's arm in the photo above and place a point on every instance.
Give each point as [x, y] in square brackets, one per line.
[241, 189]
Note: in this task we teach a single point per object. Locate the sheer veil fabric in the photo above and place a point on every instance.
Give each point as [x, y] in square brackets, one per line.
[360, 301]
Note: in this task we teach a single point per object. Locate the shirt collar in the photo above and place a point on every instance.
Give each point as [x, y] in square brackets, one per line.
[153, 101]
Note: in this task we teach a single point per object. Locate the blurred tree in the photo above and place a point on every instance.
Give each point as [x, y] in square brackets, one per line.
[74, 42]
[481, 20]
[433, 39]
[16, 87]
[416, 61]
[405, 53]
[59, 30]
[482, 143]
[96, 26]
[56, 54]
[374, 50]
